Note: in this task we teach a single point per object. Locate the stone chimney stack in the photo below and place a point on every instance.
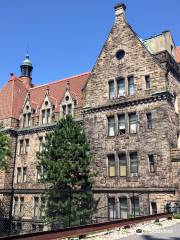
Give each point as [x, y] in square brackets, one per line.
[120, 11]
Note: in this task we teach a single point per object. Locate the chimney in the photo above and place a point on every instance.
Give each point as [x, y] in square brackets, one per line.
[120, 10]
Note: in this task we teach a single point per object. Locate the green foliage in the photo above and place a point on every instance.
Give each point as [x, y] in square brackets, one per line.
[4, 150]
[66, 158]
[176, 215]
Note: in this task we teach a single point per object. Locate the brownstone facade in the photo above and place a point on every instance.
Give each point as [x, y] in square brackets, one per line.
[129, 106]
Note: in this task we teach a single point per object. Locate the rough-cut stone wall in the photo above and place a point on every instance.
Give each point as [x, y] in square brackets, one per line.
[97, 107]
[137, 61]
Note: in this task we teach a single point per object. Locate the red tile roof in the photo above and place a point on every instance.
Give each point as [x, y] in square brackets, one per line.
[12, 97]
[178, 54]
[13, 94]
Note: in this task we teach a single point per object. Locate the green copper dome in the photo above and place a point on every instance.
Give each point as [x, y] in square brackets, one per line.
[26, 61]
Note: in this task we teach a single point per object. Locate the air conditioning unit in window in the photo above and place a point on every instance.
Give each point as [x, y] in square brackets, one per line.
[134, 174]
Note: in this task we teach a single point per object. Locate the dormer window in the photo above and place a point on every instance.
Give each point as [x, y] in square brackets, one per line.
[46, 112]
[67, 105]
[26, 117]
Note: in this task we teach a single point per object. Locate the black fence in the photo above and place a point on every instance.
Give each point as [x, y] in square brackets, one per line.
[34, 212]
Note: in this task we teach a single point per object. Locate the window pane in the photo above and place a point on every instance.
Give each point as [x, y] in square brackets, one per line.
[24, 174]
[151, 163]
[18, 175]
[69, 109]
[48, 115]
[153, 208]
[16, 206]
[122, 165]
[24, 120]
[121, 87]
[111, 166]
[36, 207]
[149, 120]
[21, 210]
[43, 116]
[29, 119]
[64, 110]
[111, 126]
[21, 147]
[111, 208]
[132, 122]
[123, 207]
[148, 82]
[131, 86]
[111, 90]
[135, 206]
[26, 145]
[133, 163]
[121, 124]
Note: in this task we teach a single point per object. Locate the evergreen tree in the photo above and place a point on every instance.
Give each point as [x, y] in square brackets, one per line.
[65, 158]
[4, 149]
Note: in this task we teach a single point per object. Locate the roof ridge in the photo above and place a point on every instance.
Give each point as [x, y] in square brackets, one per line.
[64, 79]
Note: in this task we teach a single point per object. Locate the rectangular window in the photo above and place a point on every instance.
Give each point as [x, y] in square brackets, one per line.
[42, 208]
[111, 90]
[24, 174]
[123, 207]
[151, 163]
[24, 120]
[36, 207]
[19, 172]
[40, 144]
[26, 145]
[122, 165]
[132, 123]
[64, 110]
[21, 209]
[121, 87]
[16, 206]
[131, 86]
[111, 208]
[133, 163]
[111, 126]
[69, 109]
[29, 120]
[121, 124]
[149, 120]
[135, 206]
[48, 116]
[111, 166]
[153, 208]
[21, 143]
[148, 81]
[43, 120]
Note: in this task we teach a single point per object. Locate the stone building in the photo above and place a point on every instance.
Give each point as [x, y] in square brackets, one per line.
[129, 106]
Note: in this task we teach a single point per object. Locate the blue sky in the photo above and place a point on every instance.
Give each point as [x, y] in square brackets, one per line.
[66, 36]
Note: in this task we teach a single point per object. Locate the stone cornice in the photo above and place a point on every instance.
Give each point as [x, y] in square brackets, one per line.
[30, 130]
[123, 103]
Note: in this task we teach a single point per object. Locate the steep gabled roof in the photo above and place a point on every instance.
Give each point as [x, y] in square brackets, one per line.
[178, 54]
[13, 94]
